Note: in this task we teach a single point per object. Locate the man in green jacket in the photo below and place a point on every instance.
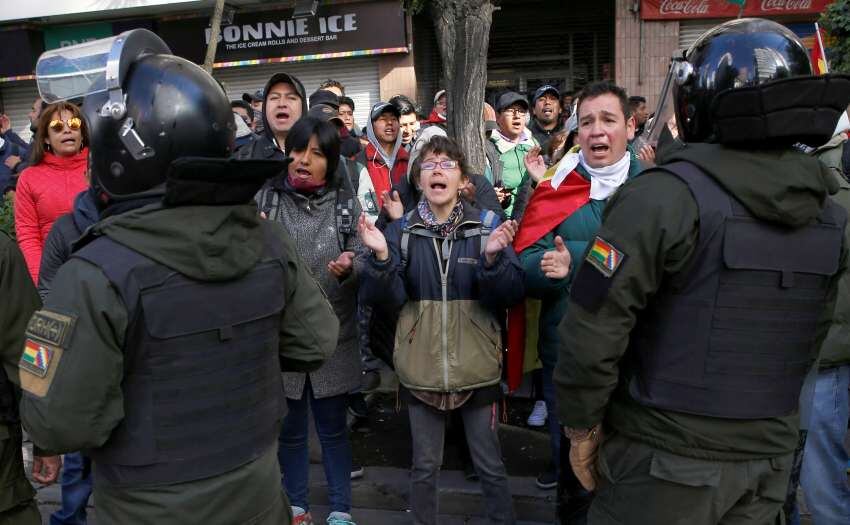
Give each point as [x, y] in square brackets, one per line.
[17, 503]
[160, 347]
[562, 218]
[693, 318]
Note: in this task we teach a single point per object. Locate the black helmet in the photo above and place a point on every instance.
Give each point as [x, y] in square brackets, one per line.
[739, 83]
[173, 109]
[145, 108]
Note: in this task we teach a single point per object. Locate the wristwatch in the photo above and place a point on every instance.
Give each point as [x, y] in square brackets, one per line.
[581, 434]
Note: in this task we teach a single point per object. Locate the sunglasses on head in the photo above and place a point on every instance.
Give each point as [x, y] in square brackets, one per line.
[58, 125]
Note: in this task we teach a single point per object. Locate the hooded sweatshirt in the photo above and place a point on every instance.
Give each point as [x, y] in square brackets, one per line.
[263, 144]
[45, 192]
[385, 170]
[781, 187]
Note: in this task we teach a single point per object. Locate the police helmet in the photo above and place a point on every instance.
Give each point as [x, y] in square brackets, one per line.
[150, 109]
[749, 81]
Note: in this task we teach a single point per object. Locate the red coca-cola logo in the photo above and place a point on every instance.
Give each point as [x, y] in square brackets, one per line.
[785, 5]
[684, 7]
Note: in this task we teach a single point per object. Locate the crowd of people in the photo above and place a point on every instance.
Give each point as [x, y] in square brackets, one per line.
[395, 253]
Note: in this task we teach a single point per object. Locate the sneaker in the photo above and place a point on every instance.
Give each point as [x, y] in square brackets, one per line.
[538, 415]
[356, 471]
[357, 405]
[548, 480]
[301, 517]
[340, 518]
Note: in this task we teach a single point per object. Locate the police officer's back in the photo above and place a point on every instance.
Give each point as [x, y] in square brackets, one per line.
[160, 347]
[695, 313]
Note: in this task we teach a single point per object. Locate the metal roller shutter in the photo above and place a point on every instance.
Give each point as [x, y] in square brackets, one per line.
[690, 30]
[358, 75]
[16, 98]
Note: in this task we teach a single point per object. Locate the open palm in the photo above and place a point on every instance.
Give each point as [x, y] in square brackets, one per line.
[372, 238]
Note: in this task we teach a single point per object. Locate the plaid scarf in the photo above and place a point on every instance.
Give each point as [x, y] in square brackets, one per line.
[433, 224]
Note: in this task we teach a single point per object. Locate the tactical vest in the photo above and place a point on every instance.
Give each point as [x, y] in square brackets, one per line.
[8, 400]
[733, 336]
[202, 387]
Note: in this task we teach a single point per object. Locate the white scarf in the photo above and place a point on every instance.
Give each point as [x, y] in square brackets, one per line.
[603, 181]
[2, 142]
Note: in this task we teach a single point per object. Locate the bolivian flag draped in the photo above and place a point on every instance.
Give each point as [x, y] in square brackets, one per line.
[547, 209]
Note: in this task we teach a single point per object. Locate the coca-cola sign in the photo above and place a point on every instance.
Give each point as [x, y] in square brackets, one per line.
[681, 9]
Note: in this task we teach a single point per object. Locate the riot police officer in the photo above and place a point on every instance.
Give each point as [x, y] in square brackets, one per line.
[17, 505]
[694, 314]
[160, 347]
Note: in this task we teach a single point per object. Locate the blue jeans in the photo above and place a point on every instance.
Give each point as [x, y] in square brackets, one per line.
[293, 449]
[76, 489]
[824, 476]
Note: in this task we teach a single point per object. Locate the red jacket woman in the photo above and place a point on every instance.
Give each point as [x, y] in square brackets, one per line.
[46, 189]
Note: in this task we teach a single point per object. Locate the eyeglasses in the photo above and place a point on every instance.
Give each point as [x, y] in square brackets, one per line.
[445, 164]
[58, 125]
[516, 111]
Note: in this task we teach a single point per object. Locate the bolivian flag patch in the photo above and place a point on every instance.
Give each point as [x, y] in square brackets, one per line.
[604, 257]
[36, 358]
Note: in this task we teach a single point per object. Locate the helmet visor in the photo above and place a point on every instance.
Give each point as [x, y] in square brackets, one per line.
[663, 115]
[74, 71]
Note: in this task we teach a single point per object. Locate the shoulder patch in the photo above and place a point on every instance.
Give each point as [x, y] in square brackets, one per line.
[48, 334]
[51, 327]
[605, 257]
[38, 366]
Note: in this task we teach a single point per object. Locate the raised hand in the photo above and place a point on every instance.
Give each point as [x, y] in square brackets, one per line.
[468, 191]
[646, 153]
[5, 123]
[499, 239]
[342, 266]
[392, 204]
[372, 238]
[556, 263]
[535, 164]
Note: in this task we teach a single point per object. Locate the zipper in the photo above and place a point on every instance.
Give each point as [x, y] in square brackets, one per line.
[444, 337]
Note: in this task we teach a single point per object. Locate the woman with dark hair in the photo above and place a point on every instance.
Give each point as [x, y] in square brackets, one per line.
[307, 201]
[451, 272]
[57, 173]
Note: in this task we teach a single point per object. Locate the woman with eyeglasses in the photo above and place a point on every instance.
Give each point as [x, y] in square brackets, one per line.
[450, 270]
[57, 173]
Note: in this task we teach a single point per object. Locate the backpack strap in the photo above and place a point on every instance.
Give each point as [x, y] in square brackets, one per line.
[495, 164]
[405, 236]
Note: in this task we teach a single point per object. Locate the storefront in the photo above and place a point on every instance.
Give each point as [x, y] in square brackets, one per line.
[364, 45]
[345, 42]
[647, 37]
[532, 42]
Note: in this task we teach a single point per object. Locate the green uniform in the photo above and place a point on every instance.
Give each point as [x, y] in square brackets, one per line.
[653, 221]
[17, 506]
[84, 401]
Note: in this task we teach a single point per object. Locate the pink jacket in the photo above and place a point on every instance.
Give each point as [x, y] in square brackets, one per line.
[45, 192]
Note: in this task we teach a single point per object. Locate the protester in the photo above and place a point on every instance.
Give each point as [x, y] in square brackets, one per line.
[47, 188]
[333, 86]
[346, 113]
[284, 103]
[512, 140]
[559, 223]
[384, 158]
[638, 109]
[244, 118]
[255, 99]
[546, 111]
[825, 459]
[326, 101]
[304, 200]
[463, 371]
[439, 113]
[408, 120]
[690, 326]
[567, 105]
[12, 150]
